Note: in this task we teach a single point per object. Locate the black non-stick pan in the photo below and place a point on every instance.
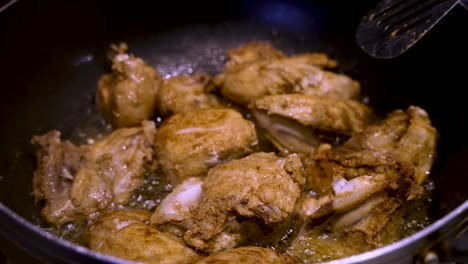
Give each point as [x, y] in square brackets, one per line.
[53, 52]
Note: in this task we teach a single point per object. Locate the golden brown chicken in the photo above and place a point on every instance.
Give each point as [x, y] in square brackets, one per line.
[184, 93]
[114, 167]
[77, 181]
[278, 75]
[127, 96]
[57, 163]
[260, 186]
[250, 52]
[408, 134]
[190, 143]
[124, 234]
[298, 123]
[366, 190]
[363, 183]
[262, 50]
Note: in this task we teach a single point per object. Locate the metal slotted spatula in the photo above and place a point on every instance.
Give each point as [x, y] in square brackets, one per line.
[393, 26]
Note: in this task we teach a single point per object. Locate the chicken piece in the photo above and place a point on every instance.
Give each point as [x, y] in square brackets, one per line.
[57, 162]
[77, 181]
[247, 53]
[189, 144]
[127, 96]
[111, 222]
[173, 213]
[354, 176]
[367, 188]
[248, 255]
[114, 168]
[184, 93]
[343, 116]
[360, 229]
[298, 123]
[363, 228]
[124, 235]
[251, 52]
[257, 51]
[408, 134]
[372, 175]
[296, 74]
[261, 186]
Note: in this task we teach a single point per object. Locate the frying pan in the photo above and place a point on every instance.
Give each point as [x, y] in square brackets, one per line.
[53, 52]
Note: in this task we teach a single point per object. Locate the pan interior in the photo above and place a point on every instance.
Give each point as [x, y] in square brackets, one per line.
[56, 90]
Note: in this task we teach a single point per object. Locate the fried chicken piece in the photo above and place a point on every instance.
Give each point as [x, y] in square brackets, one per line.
[408, 134]
[190, 143]
[257, 51]
[124, 235]
[127, 96]
[251, 52]
[184, 93]
[260, 186]
[245, 54]
[76, 181]
[114, 167]
[248, 255]
[404, 136]
[296, 122]
[57, 163]
[363, 228]
[343, 116]
[297, 74]
[372, 175]
[353, 215]
[354, 177]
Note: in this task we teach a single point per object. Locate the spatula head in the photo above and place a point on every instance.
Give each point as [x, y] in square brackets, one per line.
[393, 26]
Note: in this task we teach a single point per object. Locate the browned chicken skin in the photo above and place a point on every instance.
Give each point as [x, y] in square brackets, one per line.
[296, 122]
[256, 71]
[341, 116]
[366, 180]
[127, 96]
[57, 162]
[250, 52]
[261, 186]
[184, 93]
[189, 144]
[77, 181]
[408, 134]
[123, 234]
[257, 51]
[114, 167]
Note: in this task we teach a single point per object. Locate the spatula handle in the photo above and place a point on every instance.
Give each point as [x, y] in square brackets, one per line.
[464, 3]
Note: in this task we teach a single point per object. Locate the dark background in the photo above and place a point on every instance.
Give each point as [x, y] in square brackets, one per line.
[47, 78]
